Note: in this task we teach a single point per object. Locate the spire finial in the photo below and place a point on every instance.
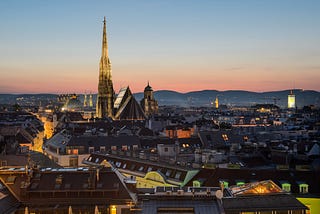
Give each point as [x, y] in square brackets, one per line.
[104, 39]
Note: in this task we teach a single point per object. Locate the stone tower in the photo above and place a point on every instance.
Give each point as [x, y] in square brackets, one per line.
[148, 103]
[105, 98]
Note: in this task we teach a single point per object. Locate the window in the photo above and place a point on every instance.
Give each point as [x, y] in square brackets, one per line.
[140, 168]
[102, 148]
[196, 183]
[91, 150]
[225, 184]
[73, 162]
[286, 187]
[178, 174]
[240, 183]
[134, 147]
[166, 149]
[303, 188]
[225, 137]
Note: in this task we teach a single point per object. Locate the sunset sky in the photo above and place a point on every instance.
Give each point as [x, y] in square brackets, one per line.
[55, 46]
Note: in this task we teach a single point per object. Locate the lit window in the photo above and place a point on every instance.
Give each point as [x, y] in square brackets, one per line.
[113, 209]
[225, 137]
[225, 184]
[240, 183]
[286, 187]
[303, 188]
[196, 183]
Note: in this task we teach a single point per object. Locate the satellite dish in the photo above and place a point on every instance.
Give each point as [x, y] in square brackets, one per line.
[219, 194]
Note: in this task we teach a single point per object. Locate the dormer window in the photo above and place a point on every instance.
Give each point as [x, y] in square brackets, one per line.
[91, 150]
[286, 187]
[303, 188]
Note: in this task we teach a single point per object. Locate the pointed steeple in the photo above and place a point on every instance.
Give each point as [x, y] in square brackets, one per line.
[104, 40]
[105, 98]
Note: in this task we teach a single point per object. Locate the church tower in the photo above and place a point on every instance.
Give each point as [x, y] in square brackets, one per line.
[148, 103]
[105, 98]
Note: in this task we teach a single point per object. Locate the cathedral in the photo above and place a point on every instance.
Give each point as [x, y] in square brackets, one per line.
[124, 106]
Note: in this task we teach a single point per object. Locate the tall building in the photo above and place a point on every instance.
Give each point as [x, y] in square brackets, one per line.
[148, 103]
[90, 100]
[105, 98]
[291, 100]
[85, 102]
[216, 103]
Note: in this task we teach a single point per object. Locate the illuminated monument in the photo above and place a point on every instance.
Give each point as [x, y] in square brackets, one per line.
[291, 100]
[105, 97]
[122, 107]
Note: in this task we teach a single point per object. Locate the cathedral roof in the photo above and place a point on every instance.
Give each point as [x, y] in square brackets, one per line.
[127, 108]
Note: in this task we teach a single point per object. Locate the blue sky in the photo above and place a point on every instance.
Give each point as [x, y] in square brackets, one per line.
[55, 46]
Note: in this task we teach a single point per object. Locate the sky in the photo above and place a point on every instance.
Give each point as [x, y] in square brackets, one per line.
[54, 46]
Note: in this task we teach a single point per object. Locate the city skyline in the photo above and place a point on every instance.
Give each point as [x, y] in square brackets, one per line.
[55, 47]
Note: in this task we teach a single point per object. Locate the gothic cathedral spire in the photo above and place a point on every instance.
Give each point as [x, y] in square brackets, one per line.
[105, 98]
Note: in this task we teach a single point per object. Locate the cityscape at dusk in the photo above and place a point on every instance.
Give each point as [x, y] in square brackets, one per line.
[159, 107]
[53, 46]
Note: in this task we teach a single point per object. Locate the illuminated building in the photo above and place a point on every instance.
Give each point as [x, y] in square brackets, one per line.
[148, 103]
[105, 97]
[179, 131]
[90, 101]
[216, 102]
[148, 174]
[72, 104]
[85, 101]
[291, 100]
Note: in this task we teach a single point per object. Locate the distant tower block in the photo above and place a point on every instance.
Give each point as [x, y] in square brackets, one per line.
[291, 100]
[85, 102]
[90, 101]
[216, 103]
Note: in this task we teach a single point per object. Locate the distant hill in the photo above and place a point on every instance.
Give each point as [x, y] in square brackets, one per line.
[234, 97]
[201, 98]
